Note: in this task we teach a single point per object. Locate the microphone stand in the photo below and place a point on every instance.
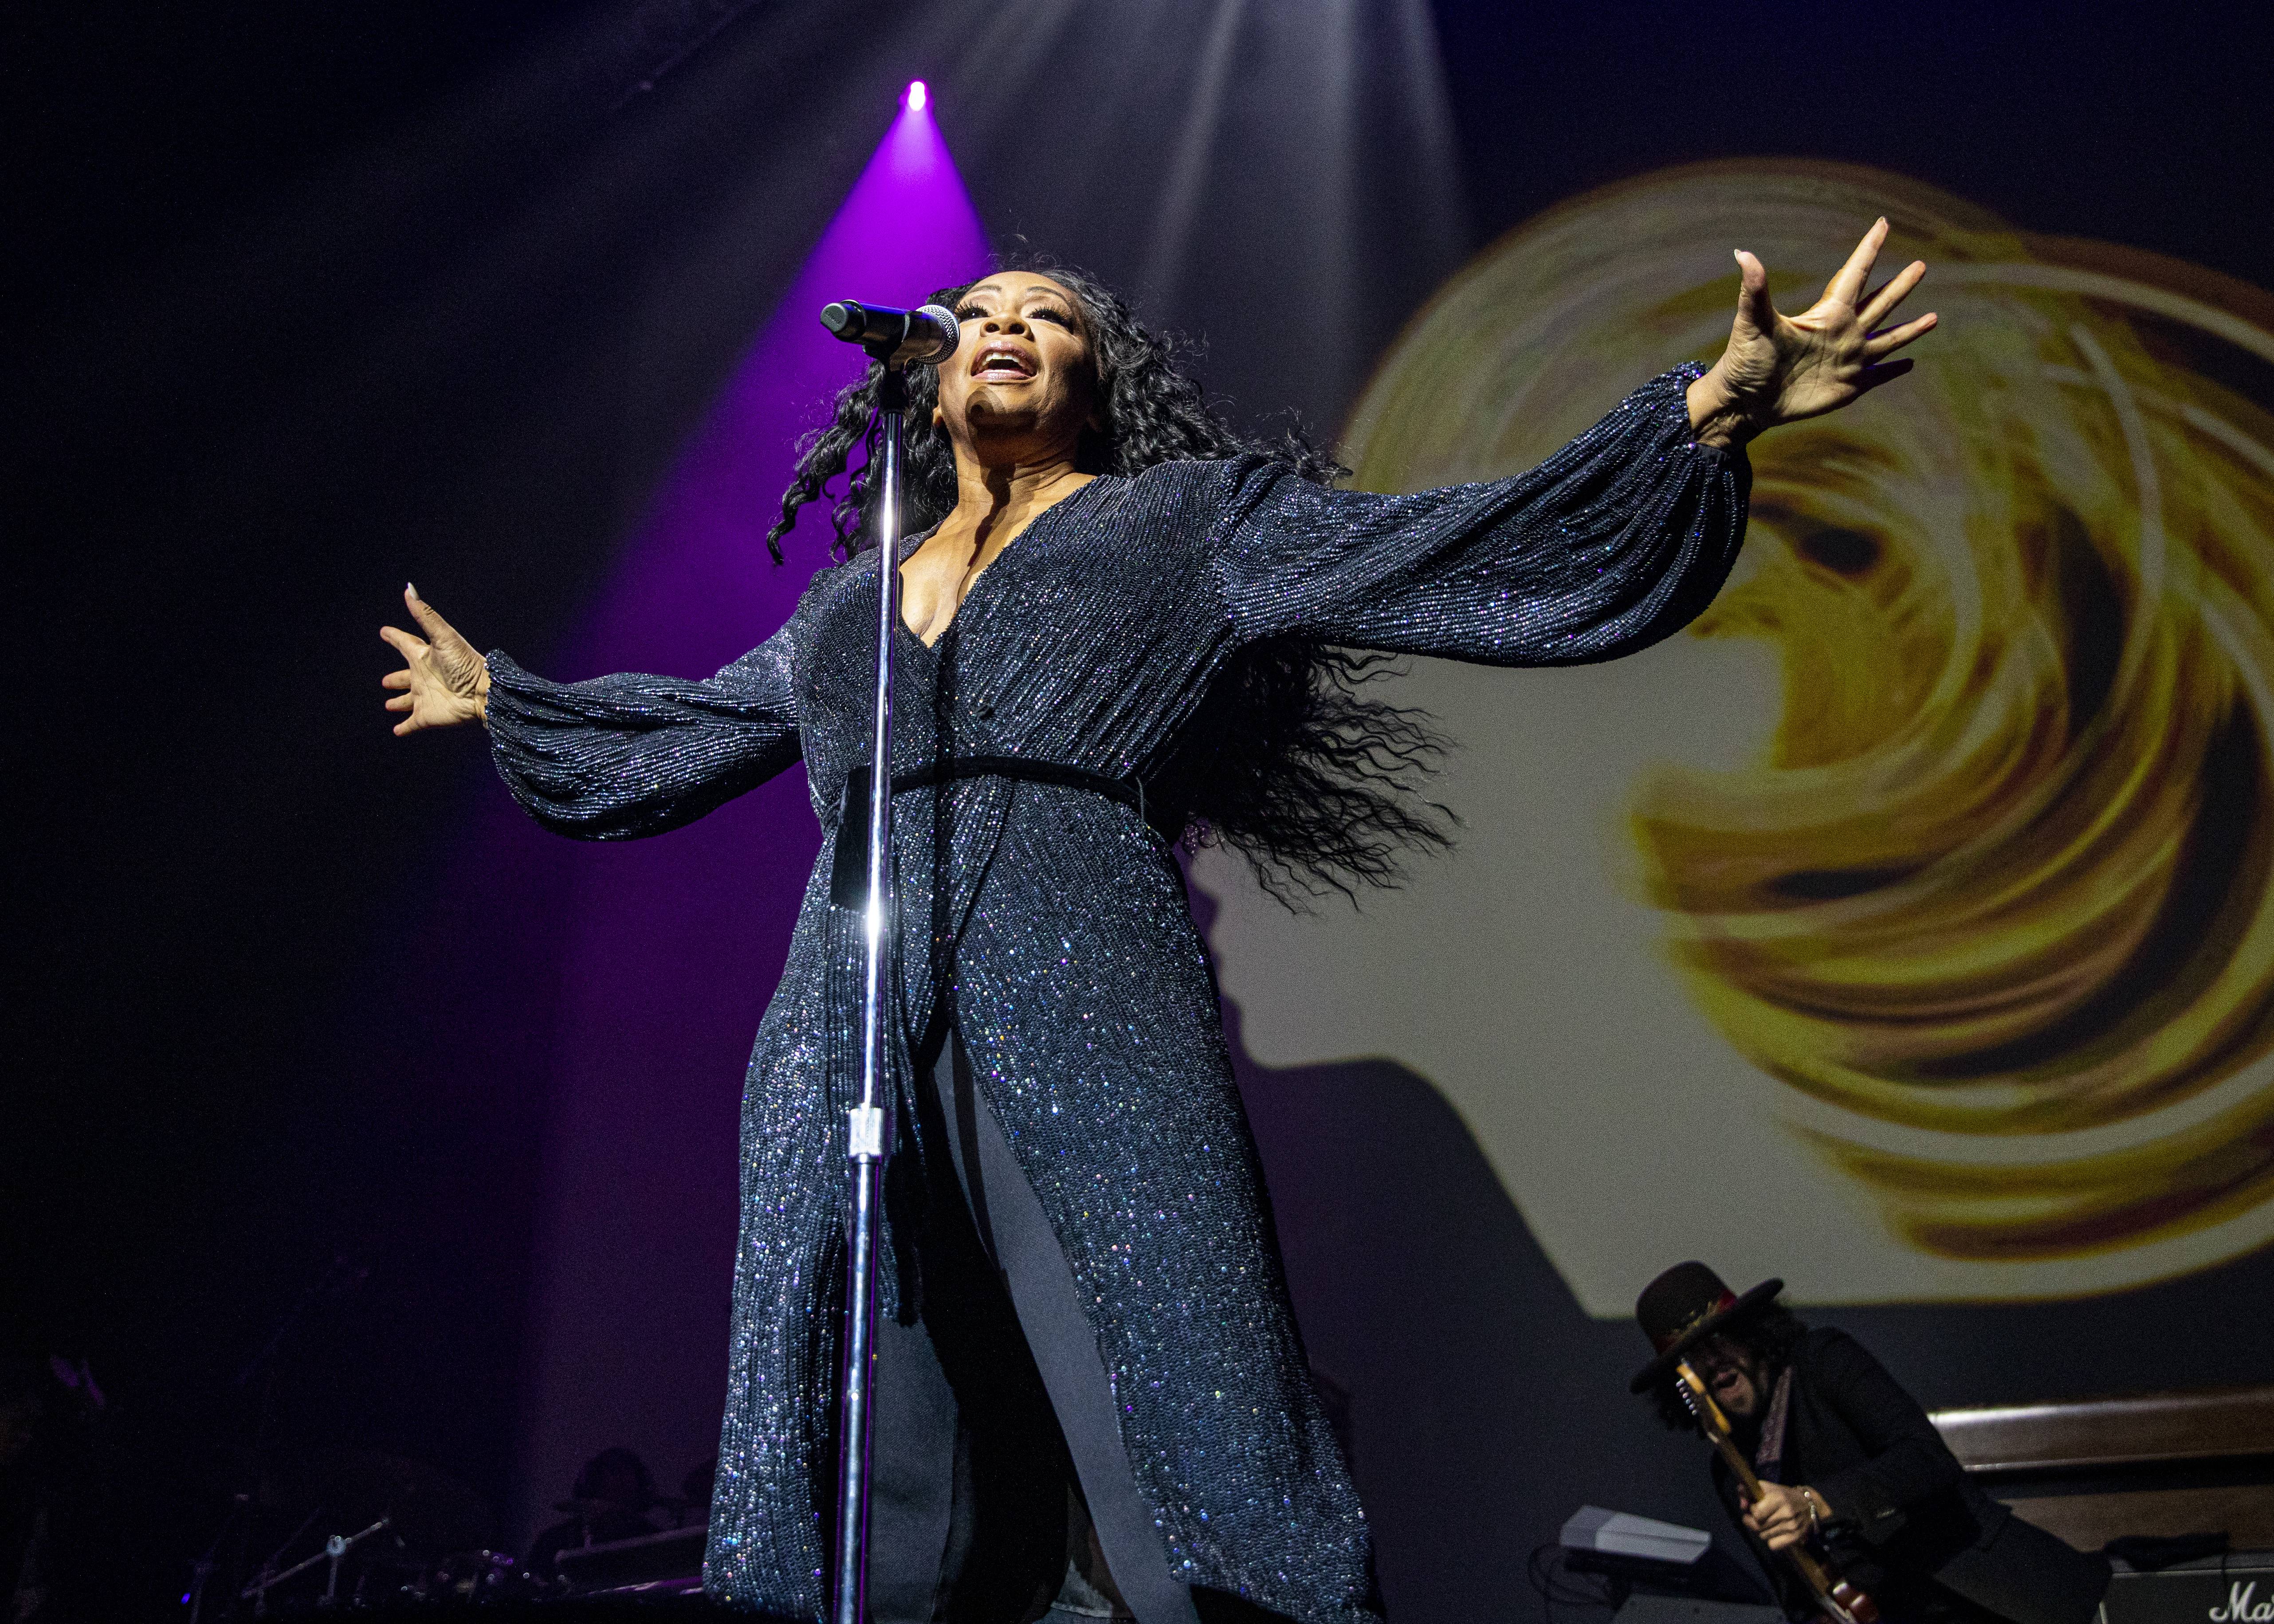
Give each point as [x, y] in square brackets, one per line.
[867, 1149]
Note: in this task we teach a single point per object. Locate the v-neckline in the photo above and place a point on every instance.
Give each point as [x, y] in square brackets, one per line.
[962, 606]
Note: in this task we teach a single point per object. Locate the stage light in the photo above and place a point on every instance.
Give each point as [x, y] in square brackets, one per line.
[917, 95]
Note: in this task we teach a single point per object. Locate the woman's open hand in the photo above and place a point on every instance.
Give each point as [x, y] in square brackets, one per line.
[443, 681]
[1779, 369]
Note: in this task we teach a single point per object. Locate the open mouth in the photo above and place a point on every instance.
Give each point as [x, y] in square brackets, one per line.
[1000, 363]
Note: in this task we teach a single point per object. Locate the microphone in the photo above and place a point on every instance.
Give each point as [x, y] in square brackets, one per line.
[896, 337]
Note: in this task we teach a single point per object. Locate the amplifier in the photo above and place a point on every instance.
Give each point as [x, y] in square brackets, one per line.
[2234, 1589]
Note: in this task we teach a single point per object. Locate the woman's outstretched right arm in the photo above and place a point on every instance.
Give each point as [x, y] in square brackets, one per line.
[613, 758]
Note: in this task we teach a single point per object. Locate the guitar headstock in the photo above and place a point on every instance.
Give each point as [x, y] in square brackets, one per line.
[1711, 1421]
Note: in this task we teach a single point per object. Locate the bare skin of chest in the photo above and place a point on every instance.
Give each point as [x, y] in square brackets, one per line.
[939, 575]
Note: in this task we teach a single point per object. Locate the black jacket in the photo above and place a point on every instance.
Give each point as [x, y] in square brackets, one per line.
[1908, 1526]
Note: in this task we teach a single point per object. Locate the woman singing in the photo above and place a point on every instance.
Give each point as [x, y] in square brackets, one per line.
[1124, 624]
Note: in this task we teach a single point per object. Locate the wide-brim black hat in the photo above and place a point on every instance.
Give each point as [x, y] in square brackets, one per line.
[1683, 1306]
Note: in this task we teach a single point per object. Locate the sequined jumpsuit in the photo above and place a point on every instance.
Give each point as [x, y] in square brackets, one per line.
[1045, 930]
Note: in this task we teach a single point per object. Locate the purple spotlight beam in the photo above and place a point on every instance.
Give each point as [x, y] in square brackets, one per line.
[696, 584]
[669, 947]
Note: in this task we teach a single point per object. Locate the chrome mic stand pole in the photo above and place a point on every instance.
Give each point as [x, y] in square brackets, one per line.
[892, 338]
[867, 1140]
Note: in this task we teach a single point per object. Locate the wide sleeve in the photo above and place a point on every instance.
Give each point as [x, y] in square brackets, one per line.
[1907, 1461]
[1618, 540]
[622, 757]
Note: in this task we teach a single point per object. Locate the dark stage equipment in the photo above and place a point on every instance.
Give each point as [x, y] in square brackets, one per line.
[666, 1564]
[2233, 1588]
[335, 1550]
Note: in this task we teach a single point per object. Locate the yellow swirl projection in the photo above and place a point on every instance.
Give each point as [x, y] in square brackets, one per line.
[1995, 895]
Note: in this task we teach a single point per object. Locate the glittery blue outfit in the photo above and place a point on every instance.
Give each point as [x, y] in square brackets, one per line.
[1046, 923]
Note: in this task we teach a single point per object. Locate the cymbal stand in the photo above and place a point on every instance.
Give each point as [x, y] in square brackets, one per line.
[201, 1571]
[334, 1551]
[257, 1592]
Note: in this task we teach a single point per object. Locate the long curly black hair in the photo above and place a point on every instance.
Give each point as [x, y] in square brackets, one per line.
[1288, 762]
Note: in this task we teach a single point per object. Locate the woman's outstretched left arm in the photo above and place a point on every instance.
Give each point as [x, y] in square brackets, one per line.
[1618, 540]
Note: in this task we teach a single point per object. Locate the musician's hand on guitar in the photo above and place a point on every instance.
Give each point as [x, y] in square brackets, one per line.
[1779, 1516]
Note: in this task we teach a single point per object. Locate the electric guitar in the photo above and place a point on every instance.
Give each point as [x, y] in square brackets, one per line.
[1841, 1601]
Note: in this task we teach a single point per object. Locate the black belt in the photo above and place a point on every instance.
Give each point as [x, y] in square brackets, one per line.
[848, 869]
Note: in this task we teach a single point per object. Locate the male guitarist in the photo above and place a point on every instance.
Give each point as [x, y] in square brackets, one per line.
[1856, 1487]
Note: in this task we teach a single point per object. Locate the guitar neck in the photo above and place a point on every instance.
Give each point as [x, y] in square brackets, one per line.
[1715, 1426]
[1740, 1468]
